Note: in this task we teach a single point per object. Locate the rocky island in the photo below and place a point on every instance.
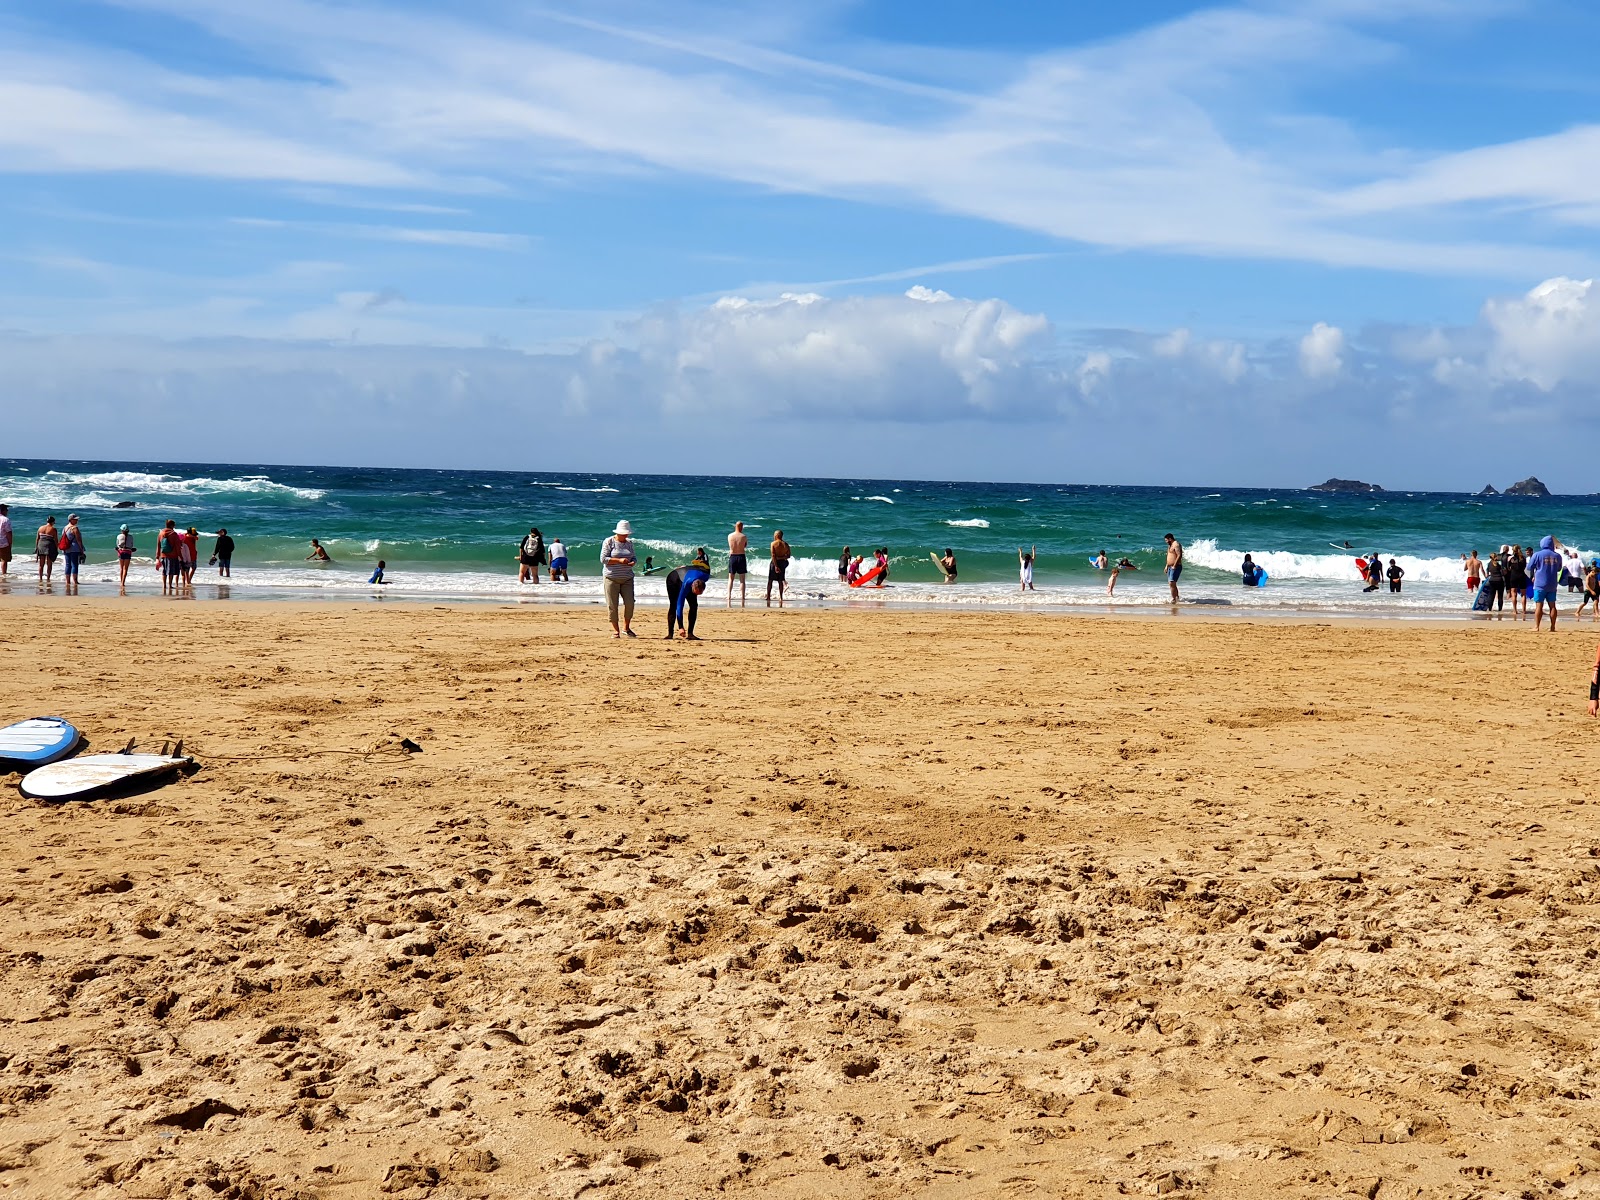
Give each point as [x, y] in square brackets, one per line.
[1528, 487]
[1346, 487]
[1489, 490]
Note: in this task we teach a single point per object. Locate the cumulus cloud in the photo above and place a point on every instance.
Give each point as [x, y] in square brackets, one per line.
[902, 373]
[1547, 337]
[1322, 351]
[922, 355]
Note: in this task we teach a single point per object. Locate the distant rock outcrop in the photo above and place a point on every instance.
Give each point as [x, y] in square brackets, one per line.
[1488, 490]
[1350, 487]
[1528, 487]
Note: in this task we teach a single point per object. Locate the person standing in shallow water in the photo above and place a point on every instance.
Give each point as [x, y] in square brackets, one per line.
[46, 548]
[778, 566]
[738, 561]
[529, 555]
[1174, 564]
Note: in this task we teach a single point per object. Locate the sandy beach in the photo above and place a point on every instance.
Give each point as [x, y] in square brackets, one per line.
[832, 904]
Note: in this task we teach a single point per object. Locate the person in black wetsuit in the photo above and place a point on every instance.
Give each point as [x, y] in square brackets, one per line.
[1374, 572]
[684, 586]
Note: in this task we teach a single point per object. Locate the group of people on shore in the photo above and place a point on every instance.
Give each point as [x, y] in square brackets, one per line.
[1524, 574]
[177, 552]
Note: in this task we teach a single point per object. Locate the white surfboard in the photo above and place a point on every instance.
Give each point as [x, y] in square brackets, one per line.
[96, 772]
[37, 741]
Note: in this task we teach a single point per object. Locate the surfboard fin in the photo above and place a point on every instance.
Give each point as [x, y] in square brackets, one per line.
[128, 749]
[177, 751]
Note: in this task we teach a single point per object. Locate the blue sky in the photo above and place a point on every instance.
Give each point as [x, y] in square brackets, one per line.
[1157, 243]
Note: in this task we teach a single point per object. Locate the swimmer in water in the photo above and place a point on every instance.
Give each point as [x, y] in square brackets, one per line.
[947, 564]
[318, 554]
[377, 576]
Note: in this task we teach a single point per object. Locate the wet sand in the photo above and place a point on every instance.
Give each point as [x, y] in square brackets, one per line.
[832, 904]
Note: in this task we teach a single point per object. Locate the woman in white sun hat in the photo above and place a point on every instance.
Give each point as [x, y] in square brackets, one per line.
[617, 559]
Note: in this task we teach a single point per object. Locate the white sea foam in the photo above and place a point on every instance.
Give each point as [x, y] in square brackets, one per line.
[883, 499]
[372, 546]
[103, 489]
[1341, 568]
[971, 523]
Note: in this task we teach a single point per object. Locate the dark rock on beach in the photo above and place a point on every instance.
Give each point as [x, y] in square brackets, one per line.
[1528, 487]
[1348, 487]
[126, 504]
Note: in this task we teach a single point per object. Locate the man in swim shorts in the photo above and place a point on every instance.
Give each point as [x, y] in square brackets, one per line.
[738, 544]
[778, 566]
[1545, 567]
[1591, 590]
[558, 561]
[1474, 573]
[1174, 564]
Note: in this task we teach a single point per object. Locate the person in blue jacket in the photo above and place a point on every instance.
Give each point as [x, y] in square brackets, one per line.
[684, 586]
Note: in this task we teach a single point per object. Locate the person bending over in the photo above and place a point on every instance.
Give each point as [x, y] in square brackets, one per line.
[684, 587]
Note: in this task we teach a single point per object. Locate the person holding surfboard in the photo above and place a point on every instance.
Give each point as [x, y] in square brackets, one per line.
[1121, 565]
[947, 564]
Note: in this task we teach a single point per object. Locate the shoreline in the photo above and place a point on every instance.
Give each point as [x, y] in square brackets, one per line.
[1198, 609]
[555, 596]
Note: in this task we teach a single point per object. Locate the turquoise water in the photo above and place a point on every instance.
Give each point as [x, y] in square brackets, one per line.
[455, 533]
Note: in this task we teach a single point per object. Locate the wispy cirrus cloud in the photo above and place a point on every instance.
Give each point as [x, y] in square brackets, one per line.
[1155, 140]
[466, 239]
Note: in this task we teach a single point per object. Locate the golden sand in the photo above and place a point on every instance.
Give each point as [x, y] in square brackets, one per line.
[833, 904]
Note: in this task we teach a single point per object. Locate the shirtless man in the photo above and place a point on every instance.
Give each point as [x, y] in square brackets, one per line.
[1174, 564]
[738, 543]
[778, 567]
[1474, 572]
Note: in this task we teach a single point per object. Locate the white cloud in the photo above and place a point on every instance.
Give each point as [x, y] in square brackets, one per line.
[921, 356]
[1322, 351]
[1547, 337]
[858, 378]
[1149, 141]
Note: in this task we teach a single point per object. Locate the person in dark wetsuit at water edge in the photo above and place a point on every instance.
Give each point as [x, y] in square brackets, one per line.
[684, 587]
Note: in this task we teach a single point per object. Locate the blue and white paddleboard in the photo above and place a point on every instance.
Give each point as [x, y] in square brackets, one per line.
[37, 741]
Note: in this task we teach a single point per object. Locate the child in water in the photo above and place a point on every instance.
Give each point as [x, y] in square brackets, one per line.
[854, 573]
[377, 576]
[1025, 561]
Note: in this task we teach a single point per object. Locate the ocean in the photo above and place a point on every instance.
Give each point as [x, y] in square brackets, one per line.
[454, 534]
